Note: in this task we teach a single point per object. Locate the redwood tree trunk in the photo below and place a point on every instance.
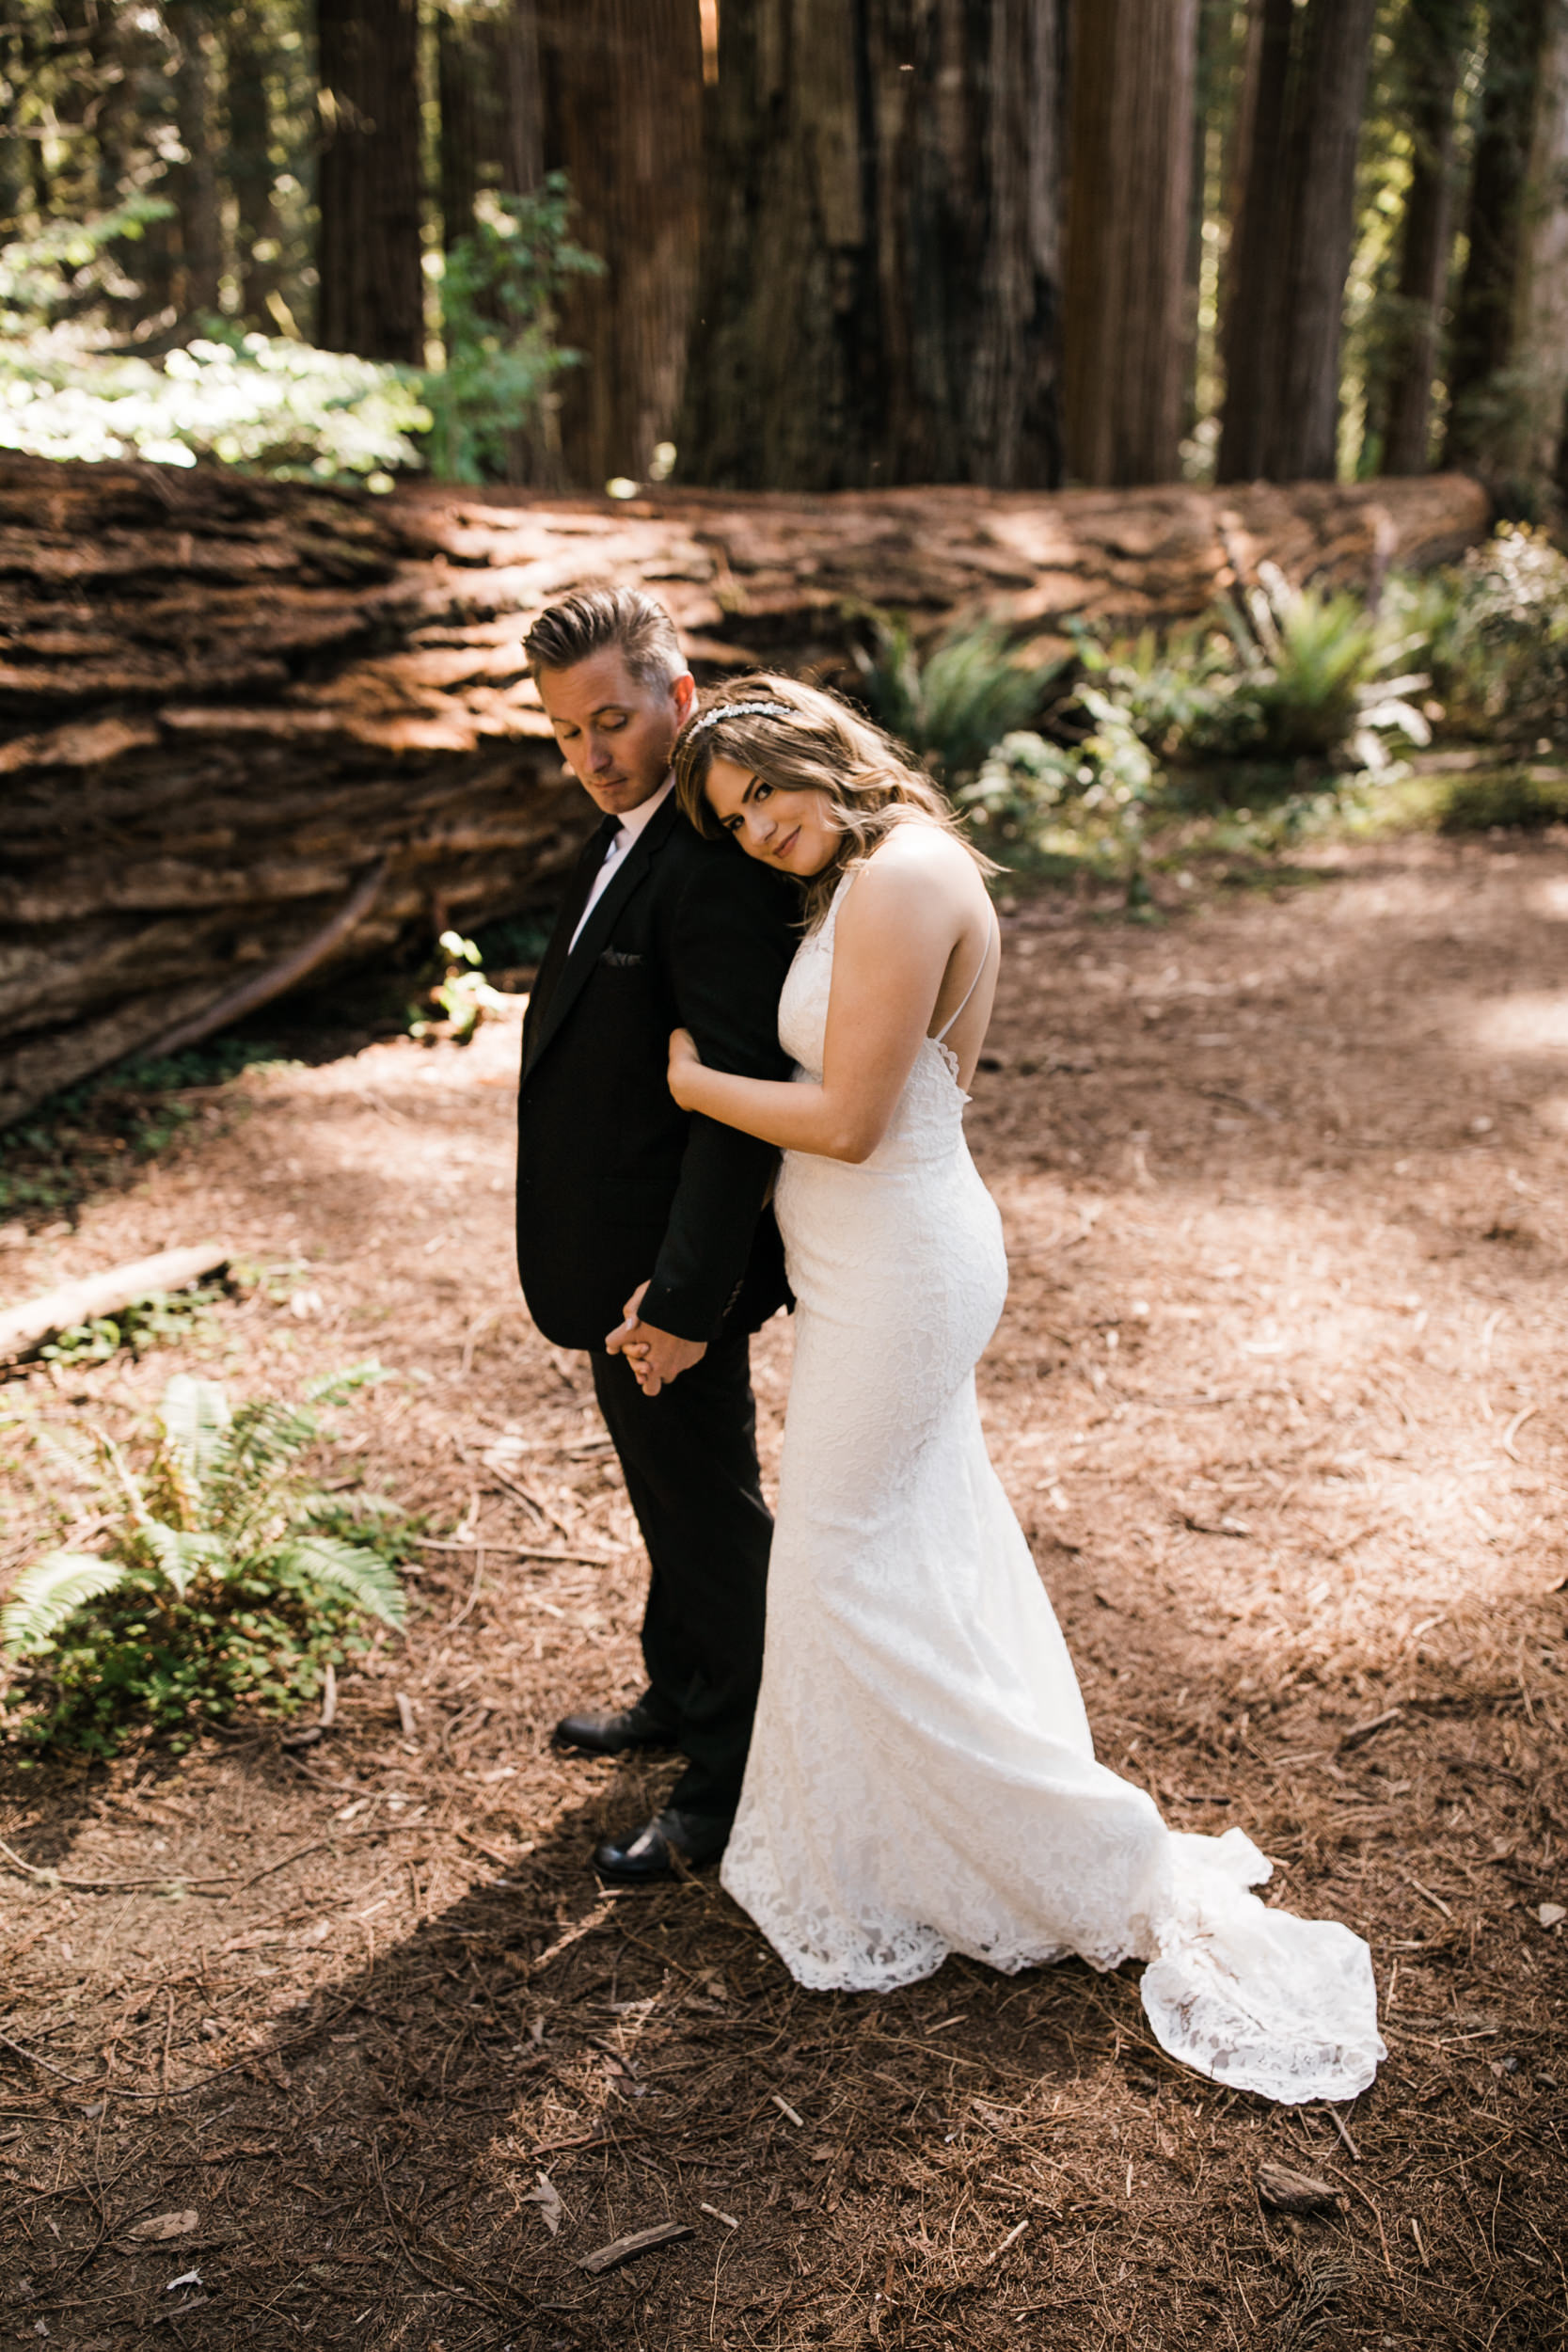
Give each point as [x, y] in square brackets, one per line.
[372, 290]
[196, 180]
[1125, 328]
[1433, 44]
[880, 294]
[488, 68]
[1487, 314]
[1541, 309]
[623, 102]
[250, 169]
[1295, 237]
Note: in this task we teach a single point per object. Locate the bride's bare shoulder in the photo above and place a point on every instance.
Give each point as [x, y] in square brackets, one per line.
[916, 858]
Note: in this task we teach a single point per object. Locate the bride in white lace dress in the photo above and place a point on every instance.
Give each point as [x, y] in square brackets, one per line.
[922, 1778]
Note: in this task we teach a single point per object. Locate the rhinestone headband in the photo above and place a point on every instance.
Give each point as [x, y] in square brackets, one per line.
[735, 710]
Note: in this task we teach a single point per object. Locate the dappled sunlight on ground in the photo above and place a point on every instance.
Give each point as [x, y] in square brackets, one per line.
[1278, 1395]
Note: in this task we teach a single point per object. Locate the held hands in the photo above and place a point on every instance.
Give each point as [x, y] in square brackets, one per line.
[655, 1356]
[683, 1059]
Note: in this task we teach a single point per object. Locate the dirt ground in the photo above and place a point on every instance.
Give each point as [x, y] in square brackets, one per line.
[1279, 1397]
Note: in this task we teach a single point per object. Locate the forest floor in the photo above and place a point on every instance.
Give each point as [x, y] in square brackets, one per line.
[1279, 1396]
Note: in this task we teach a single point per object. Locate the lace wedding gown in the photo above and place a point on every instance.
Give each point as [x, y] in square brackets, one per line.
[922, 1778]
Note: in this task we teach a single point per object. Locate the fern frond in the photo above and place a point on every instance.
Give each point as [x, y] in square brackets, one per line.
[75, 1455]
[127, 1477]
[194, 1414]
[350, 1569]
[335, 1388]
[251, 1462]
[46, 1594]
[180, 1553]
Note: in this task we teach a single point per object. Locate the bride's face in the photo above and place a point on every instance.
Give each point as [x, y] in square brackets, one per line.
[786, 829]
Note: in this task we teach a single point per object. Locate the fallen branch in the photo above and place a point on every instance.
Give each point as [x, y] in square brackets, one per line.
[26, 1328]
[249, 995]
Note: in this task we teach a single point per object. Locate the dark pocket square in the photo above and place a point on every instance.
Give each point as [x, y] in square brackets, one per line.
[621, 959]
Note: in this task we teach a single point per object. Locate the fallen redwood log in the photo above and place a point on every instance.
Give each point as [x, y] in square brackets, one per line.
[224, 705]
[26, 1328]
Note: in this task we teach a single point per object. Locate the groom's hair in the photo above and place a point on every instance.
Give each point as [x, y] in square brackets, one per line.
[627, 618]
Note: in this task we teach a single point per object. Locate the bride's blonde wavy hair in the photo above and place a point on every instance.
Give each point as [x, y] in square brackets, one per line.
[870, 781]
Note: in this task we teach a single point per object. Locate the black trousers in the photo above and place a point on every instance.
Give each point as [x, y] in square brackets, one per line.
[690, 1456]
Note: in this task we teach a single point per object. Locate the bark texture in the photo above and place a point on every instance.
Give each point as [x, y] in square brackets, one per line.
[196, 179]
[1541, 316]
[623, 83]
[1485, 314]
[1433, 43]
[880, 275]
[1125, 327]
[1294, 242]
[487, 74]
[249, 54]
[224, 703]
[372, 292]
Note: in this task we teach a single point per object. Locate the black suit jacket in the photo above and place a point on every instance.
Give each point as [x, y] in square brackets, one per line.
[615, 1184]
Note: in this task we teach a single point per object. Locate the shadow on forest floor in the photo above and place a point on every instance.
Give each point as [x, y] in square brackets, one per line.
[1278, 1396]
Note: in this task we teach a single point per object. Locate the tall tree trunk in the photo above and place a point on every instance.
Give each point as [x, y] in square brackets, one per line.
[15, 163]
[1484, 315]
[249, 59]
[487, 71]
[1541, 309]
[1125, 327]
[196, 179]
[1432, 55]
[1254, 283]
[372, 284]
[1295, 238]
[879, 297]
[623, 119]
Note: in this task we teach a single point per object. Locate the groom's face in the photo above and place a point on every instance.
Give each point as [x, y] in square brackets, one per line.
[616, 733]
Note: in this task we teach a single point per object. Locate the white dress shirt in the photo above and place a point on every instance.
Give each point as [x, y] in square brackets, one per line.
[632, 824]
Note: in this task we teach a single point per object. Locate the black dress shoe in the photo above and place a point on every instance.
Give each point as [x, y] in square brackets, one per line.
[613, 1734]
[660, 1848]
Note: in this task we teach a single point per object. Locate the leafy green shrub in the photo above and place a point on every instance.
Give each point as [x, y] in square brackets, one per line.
[267, 403]
[1176, 688]
[951, 705]
[1094, 797]
[224, 1584]
[500, 288]
[1500, 646]
[259, 401]
[1507, 795]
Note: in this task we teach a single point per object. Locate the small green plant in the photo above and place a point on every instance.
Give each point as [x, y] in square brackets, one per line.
[1501, 647]
[373, 1522]
[501, 291]
[225, 1584]
[162, 1319]
[1092, 798]
[953, 704]
[463, 995]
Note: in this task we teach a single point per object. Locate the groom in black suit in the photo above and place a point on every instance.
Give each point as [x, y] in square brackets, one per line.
[640, 1225]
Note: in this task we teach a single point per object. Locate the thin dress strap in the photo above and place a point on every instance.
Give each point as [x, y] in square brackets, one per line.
[941, 1037]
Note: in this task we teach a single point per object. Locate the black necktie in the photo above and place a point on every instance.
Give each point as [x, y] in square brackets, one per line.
[594, 853]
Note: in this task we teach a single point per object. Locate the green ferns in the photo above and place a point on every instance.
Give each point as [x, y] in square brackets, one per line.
[951, 706]
[225, 1583]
